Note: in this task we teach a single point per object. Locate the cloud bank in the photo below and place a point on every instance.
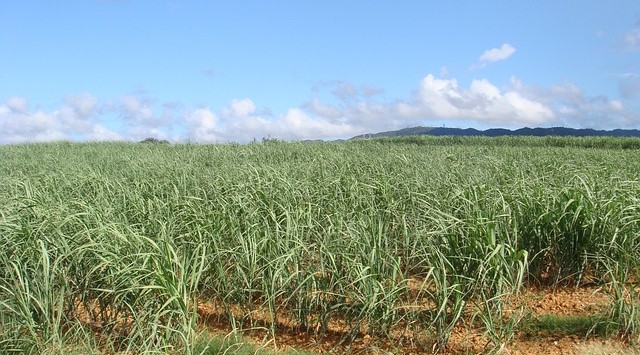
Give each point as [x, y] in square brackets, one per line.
[348, 110]
[74, 119]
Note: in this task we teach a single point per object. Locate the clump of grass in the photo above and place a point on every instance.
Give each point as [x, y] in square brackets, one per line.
[550, 324]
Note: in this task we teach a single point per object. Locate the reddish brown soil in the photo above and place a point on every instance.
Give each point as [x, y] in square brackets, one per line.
[583, 301]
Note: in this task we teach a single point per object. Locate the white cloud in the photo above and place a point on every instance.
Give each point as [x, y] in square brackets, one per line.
[17, 124]
[239, 108]
[527, 111]
[577, 109]
[616, 105]
[101, 133]
[322, 109]
[345, 91]
[75, 119]
[141, 132]
[202, 126]
[84, 105]
[439, 97]
[17, 105]
[297, 124]
[369, 114]
[497, 54]
[77, 111]
[480, 103]
[135, 109]
[483, 102]
[239, 121]
[485, 89]
[143, 119]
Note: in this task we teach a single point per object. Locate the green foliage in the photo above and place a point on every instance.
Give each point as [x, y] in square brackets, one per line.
[110, 245]
[562, 325]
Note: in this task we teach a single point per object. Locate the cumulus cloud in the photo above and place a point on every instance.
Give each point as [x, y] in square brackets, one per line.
[77, 111]
[143, 119]
[136, 109]
[482, 101]
[80, 118]
[322, 109]
[17, 105]
[514, 105]
[298, 124]
[575, 108]
[436, 99]
[75, 119]
[101, 133]
[202, 126]
[497, 54]
[17, 124]
[295, 124]
[239, 108]
[83, 105]
[241, 121]
[479, 103]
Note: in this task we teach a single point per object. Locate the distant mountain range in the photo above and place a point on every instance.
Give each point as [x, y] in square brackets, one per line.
[498, 132]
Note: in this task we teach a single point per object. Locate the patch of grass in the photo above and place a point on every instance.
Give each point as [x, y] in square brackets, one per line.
[233, 344]
[550, 324]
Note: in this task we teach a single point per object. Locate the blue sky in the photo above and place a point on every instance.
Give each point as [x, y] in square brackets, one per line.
[217, 71]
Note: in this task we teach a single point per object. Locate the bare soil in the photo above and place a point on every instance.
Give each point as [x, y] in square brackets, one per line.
[562, 302]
